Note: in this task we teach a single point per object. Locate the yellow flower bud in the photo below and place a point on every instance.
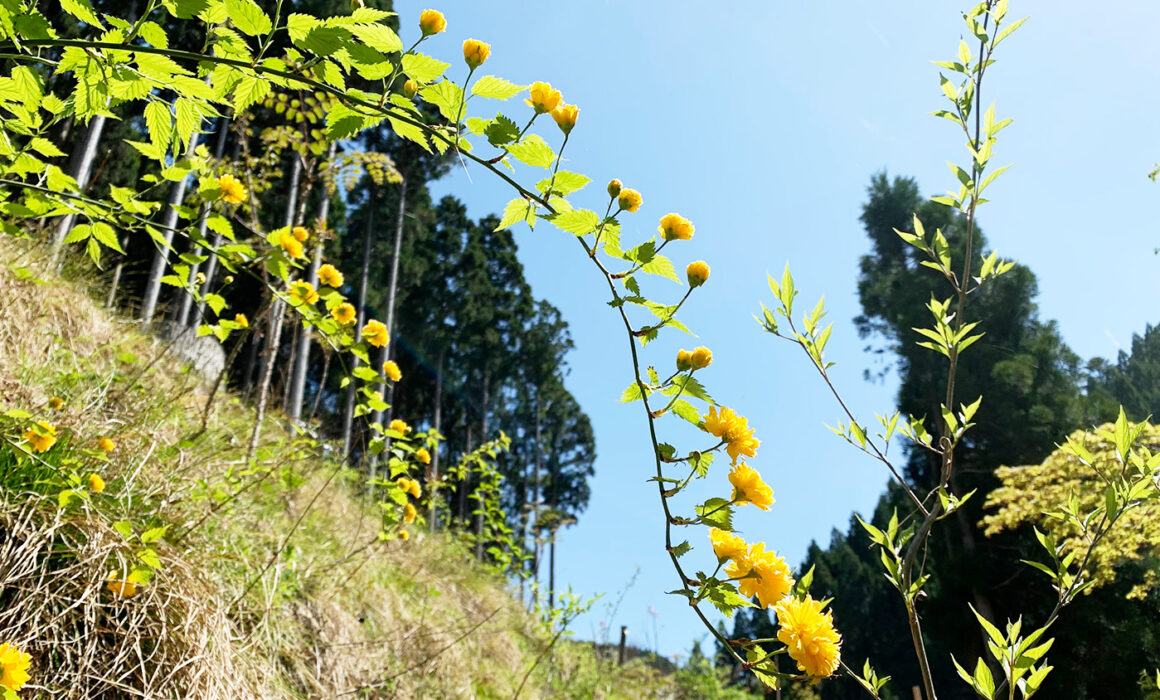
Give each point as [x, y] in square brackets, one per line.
[543, 98]
[391, 369]
[199, 278]
[410, 88]
[106, 444]
[475, 52]
[431, 22]
[301, 233]
[613, 188]
[229, 279]
[684, 360]
[702, 357]
[242, 321]
[96, 483]
[629, 200]
[565, 116]
[404, 535]
[675, 227]
[56, 403]
[697, 272]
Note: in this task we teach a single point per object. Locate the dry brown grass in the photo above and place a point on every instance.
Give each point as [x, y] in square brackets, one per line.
[284, 592]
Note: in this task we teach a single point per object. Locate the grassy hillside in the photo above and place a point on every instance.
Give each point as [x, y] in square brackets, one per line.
[265, 579]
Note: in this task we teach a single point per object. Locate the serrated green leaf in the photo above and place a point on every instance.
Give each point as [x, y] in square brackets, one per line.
[519, 209]
[379, 37]
[495, 88]
[577, 221]
[533, 151]
[422, 68]
[248, 17]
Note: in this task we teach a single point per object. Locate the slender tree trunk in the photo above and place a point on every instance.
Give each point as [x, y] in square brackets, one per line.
[277, 312]
[433, 472]
[81, 172]
[252, 360]
[211, 265]
[161, 257]
[348, 413]
[465, 484]
[302, 362]
[202, 227]
[385, 355]
[288, 377]
[112, 298]
[552, 572]
[321, 384]
[482, 439]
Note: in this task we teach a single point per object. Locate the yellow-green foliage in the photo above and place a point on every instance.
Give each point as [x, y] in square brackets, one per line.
[1030, 493]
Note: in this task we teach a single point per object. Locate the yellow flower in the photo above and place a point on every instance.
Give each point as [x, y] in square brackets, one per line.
[771, 579]
[413, 489]
[241, 320]
[375, 333]
[404, 535]
[629, 200]
[96, 483]
[199, 278]
[475, 53]
[675, 227]
[399, 426]
[613, 187]
[121, 589]
[301, 233]
[726, 545]
[41, 436]
[423, 455]
[304, 292]
[410, 88]
[734, 430]
[409, 513]
[403, 483]
[565, 116]
[392, 371]
[684, 360]
[809, 635]
[343, 313]
[330, 276]
[233, 191]
[291, 245]
[431, 22]
[697, 273]
[106, 444]
[702, 357]
[13, 667]
[56, 403]
[543, 98]
[749, 488]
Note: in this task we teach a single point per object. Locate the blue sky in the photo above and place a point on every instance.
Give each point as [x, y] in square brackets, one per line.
[762, 122]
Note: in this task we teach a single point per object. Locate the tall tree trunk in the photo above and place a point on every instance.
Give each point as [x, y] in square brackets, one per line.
[321, 383]
[433, 472]
[348, 413]
[277, 312]
[385, 355]
[482, 439]
[302, 362]
[534, 511]
[116, 282]
[161, 258]
[203, 225]
[211, 265]
[465, 484]
[552, 572]
[82, 170]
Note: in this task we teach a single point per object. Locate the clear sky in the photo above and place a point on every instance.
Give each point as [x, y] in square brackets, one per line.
[762, 122]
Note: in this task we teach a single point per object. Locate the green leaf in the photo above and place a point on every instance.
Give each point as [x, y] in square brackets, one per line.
[533, 151]
[188, 118]
[563, 184]
[251, 90]
[82, 10]
[716, 512]
[501, 130]
[495, 88]
[519, 209]
[150, 558]
[577, 221]
[160, 125]
[248, 17]
[446, 96]
[153, 534]
[378, 36]
[682, 549]
[632, 393]
[422, 68]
